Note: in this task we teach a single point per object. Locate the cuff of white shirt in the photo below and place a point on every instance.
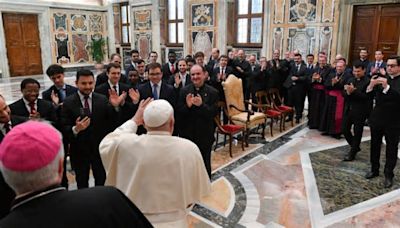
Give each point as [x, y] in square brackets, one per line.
[129, 126]
[74, 131]
[386, 90]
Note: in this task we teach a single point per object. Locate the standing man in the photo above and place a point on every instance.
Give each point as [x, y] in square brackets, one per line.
[169, 68]
[242, 70]
[358, 106]
[30, 105]
[165, 174]
[7, 122]
[141, 69]
[103, 78]
[181, 78]
[213, 61]
[153, 56]
[364, 58]
[296, 86]
[57, 94]
[134, 58]
[197, 106]
[378, 66]
[384, 119]
[87, 117]
[277, 73]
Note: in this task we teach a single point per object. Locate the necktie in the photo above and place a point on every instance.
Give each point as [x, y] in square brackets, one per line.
[115, 89]
[7, 127]
[377, 65]
[86, 103]
[298, 68]
[155, 94]
[61, 94]
[172, 68]
[32, 106]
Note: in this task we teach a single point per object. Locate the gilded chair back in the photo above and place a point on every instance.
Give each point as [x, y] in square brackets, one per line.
[234, 94]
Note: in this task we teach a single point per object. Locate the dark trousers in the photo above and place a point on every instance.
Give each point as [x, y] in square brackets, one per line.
[357, 122]
[82, 167]
[64, 180]
[206, 154]
[392, 140]
[296, 95]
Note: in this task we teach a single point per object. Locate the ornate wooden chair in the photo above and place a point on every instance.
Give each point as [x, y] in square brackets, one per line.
[227, 129]
[236, 111]
[272, 114]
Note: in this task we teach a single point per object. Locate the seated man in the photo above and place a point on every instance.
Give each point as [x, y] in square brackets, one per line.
[34, 172]
[164, 175]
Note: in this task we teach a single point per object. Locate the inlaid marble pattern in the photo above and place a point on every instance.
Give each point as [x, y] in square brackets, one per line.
[328, 11]
[142, 19]
[279, 11]
[302, 39]
[142, 34]
[302, 10]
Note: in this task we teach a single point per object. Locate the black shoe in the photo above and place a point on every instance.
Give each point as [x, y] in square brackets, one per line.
[349, 157]
[371, 175]
[288, 120]
[297, 121]
[388, 182]
[337, 136]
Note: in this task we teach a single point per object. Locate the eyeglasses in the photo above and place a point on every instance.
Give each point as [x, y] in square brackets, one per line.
[391, 65]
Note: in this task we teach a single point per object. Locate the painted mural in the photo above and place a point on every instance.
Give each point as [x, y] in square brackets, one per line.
[302, 10]
[73, 31]
[203, 41]
[203, 15]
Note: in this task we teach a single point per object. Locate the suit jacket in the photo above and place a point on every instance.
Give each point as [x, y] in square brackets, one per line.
[245, 66]
[371, 65]
[166, 92]
[167, 72]
[6, 193]
[45, 108]
[218, 84]
[300, 73]
[387, 109]
[358, 103]
[103, 78]
[130, 68]
[69, 90]
[102, 119]
[276, 73]
[91, 207]
[128, 109]
[198, 122]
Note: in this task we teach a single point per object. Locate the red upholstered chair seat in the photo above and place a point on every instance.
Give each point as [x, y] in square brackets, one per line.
[232, 128]
[284, 108]
[273, 113]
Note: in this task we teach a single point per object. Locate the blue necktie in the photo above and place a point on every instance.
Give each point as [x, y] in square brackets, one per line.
[155, 94]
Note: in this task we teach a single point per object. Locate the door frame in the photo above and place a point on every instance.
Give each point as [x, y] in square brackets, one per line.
[44, 34]
[346, 21]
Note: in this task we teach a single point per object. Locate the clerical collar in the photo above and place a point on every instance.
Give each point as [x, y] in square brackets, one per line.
[395, 76]
[158, 133]
[36, 194]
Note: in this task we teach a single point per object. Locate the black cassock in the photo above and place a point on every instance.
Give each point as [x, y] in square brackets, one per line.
[332, 116]
[317, 97]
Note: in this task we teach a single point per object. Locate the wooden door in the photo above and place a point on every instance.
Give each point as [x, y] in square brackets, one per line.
[22, 44]
[375, 27]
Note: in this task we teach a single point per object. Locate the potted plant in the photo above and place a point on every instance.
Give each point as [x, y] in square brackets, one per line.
[97, 47]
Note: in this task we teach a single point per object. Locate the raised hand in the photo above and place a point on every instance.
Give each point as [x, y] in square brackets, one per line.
[189, 100]
[114, 99]
[138, 117]
[134, 95]
[177, 79]
[197, 100]
[54, 97]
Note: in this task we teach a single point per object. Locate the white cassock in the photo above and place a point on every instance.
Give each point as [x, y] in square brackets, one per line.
[160, 173]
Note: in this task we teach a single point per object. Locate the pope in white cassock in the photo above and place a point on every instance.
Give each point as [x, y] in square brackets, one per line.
[162, 174]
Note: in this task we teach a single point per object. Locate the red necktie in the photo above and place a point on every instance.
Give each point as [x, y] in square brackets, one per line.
[87, 107]
[172, 68]
[32, 106]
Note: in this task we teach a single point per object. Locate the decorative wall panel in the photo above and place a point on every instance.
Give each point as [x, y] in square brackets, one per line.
[203, 15]
[72, 32]
[279, 11]
[142, 33]
[302, 39]
[328, 10]
[203, 41]
[325, 42]
[302, 10]
[278, 39]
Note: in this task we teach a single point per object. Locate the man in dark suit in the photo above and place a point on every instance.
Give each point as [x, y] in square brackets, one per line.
[134, 58]
[363, 58]
[7, 121]
[169, 68]
[357, 106]
[219, 75]
[121, 89]
[242, 70]
[181, 78]
[103, 78]
[30, 106]
[296, 85]
[384, 119]
[197, 106]
[41, 201]
[57, 94]
[213, 61]
[87, 117]
[378, 66]
[277, 71]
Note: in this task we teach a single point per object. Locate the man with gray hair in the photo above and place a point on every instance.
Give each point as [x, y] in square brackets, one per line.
[162, 174]
[31, 160]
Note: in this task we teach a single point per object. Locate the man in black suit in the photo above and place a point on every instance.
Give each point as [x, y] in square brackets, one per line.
[219, 75]
[30, 106]
[384, 119]
[57, 94]
[277, 71]
[41, 201]
[213, 61]
[378, 66]
[134, 58]
[87, 117]
[357, 106]
[181, 78]
[103, 78]
[121, 89]
[169, 68]
[197, 106]
[363, 58]
[242, 70]
[296, 85]
[7, 121]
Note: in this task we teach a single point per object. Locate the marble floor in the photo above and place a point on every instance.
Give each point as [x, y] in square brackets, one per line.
[295, 179]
